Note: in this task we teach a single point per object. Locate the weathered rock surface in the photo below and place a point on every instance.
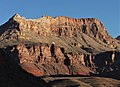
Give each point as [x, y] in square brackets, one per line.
[63, 31]
[12, 75]
[60, 45]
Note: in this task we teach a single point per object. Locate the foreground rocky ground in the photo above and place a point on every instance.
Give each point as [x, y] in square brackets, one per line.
[57, 46]
[82, 82]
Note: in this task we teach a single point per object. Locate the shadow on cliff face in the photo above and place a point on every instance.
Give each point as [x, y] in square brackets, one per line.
[112, 74]
[103, 61]
[5, 27]
[108, 64]
[12, 75]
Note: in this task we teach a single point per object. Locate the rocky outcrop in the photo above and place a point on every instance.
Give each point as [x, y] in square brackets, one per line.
[78, 32]
[60, 45]
[48, 60]
[12, 75]
[107, 61]
[51, 60]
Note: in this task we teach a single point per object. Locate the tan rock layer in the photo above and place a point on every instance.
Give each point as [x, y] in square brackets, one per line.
[61, 26]
[60, 45]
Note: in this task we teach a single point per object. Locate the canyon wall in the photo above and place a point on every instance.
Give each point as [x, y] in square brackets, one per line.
[60, 45]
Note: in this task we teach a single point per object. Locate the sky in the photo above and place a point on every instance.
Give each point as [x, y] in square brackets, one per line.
[105, 10]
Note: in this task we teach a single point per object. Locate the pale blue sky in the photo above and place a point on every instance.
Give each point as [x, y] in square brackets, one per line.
[105, 10]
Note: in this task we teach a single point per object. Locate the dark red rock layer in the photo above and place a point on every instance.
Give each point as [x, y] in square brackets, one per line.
[61, 45]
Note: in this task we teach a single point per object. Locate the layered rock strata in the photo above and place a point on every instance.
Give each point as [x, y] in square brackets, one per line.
[60, 45]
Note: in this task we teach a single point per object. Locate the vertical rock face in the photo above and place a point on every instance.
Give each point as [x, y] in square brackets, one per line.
[48, 60]
[13, 75]
[60, 45]
[52, 60]
[61, 26]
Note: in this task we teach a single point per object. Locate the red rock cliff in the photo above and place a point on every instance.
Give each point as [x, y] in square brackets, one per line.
[61, 45]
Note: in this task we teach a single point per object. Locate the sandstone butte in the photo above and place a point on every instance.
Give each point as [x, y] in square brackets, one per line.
[60, 46]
